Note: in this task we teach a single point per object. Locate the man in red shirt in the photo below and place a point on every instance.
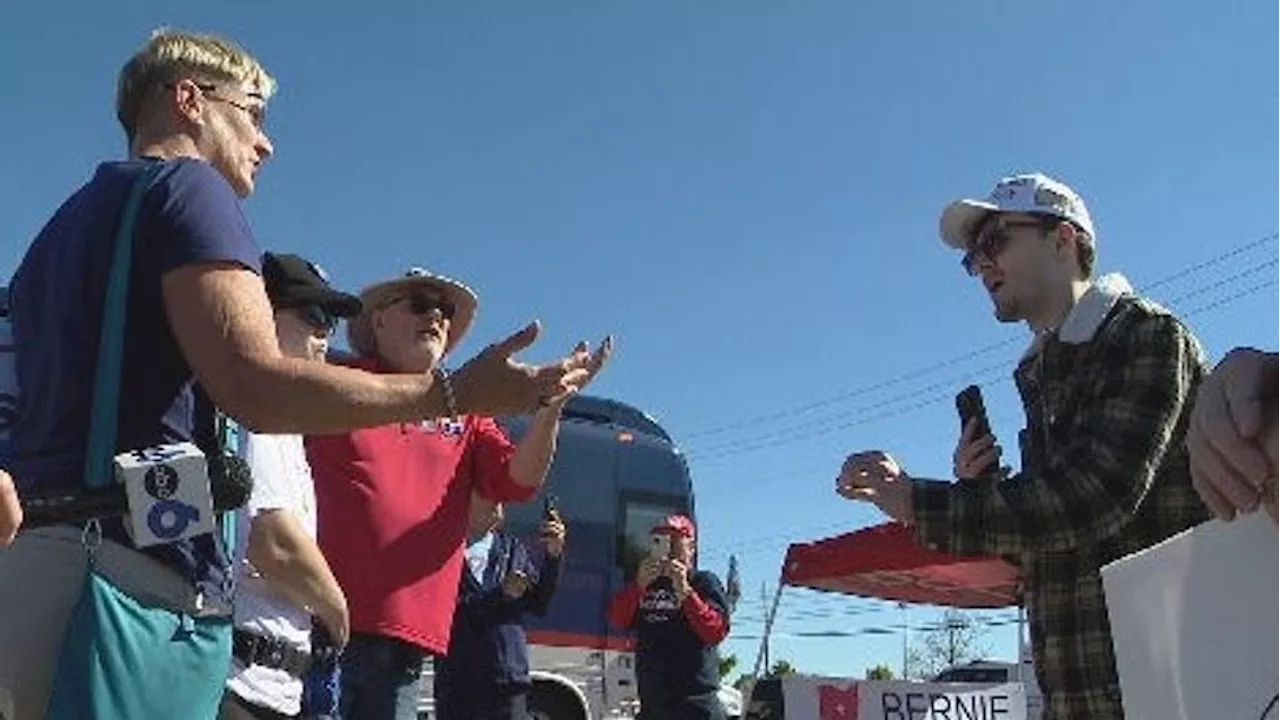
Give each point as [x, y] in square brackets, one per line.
[393, 501]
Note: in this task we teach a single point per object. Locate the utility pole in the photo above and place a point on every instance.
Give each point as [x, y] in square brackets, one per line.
[955, 625]
[771, 614]
[903, 607]
[764, 602]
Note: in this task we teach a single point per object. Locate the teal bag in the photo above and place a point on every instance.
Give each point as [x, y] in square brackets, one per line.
[121, 659]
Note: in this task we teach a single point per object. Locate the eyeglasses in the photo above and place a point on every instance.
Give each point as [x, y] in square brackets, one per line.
[257, 113]
[318, 318]
[421, 303]
[995, 238]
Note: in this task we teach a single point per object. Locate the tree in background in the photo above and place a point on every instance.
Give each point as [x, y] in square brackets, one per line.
[780, 668]
[879, 672]
[727, 664]
[957, 638]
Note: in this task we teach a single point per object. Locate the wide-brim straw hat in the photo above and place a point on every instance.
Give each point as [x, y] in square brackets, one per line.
[376, 297]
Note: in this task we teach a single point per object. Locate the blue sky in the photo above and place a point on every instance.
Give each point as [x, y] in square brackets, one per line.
[745, 193]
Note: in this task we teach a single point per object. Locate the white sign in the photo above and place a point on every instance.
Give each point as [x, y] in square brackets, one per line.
[1193, 621]
[806, 697]
[168, 491]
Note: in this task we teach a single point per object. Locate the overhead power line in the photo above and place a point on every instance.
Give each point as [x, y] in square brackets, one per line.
[885, 409]
[786, 413]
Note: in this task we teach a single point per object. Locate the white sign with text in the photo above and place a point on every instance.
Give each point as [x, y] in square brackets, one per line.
[806, 697]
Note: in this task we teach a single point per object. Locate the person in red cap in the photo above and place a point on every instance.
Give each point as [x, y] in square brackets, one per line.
[679, 616]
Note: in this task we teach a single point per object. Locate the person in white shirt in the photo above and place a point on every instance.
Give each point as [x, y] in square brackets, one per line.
[282, 579]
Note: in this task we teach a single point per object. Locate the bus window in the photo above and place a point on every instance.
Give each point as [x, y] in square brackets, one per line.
[638, 518]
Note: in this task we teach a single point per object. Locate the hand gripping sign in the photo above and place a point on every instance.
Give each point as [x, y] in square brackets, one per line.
[168, 491]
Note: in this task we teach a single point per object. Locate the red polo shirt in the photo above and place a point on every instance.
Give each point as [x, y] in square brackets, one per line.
[392, 505]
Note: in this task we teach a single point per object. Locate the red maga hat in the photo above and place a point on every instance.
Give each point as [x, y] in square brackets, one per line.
[674, 525]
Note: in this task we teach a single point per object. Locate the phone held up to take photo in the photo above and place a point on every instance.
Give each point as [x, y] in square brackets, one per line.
[661, 546]
[970, 406]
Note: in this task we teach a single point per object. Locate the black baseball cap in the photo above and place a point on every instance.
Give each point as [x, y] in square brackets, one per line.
[294, 282]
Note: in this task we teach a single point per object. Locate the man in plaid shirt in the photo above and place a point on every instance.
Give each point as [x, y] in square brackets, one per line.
[1107, 385]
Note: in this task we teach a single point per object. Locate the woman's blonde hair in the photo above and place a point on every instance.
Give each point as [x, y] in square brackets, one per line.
[171, 55]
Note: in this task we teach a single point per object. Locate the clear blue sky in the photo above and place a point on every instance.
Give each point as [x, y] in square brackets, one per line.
[745, 192]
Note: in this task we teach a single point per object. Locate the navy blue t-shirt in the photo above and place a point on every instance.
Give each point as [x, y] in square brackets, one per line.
[190, 215]
[673, 665]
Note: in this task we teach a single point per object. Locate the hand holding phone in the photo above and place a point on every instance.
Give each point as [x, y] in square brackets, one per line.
[650, 569]
[551, 532]
[660, 546]
[977, 454]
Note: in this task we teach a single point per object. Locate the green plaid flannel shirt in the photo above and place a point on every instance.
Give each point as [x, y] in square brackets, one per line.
[1104, 474]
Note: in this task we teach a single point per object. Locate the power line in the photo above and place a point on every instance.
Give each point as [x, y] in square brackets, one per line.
[963, 357]
[1232, 298]
[825, 466]
[737, 547]
[788, 437]
[847, 612]
[816, 613]
[1216, 260]
[896, 629]
[754, 545]
[823, 605]
[757, 544]
[950, 382]
[818, 404]
[1220, 302]
[825, 426]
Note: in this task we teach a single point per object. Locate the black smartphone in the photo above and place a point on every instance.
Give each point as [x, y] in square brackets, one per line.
[549, 506]
[970, 406]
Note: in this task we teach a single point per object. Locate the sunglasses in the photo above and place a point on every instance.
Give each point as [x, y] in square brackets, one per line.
[318, 318]
[425, 303]
[996, 237]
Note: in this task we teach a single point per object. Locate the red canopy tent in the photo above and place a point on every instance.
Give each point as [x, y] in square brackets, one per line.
[886, 562]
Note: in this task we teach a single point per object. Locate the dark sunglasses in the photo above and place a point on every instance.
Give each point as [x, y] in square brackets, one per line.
[319, 318]
[425, 303]
[995, 238]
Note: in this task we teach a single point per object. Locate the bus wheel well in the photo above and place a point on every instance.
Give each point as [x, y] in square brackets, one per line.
[550, 700]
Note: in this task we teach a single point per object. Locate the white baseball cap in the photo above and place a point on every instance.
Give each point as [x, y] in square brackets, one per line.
[1031, 193]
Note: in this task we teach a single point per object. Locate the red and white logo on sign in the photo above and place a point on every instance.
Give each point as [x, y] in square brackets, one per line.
[836, 703]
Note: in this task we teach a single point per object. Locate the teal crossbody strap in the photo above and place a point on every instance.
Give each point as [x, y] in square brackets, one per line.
[106, 384]
[230, 436]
